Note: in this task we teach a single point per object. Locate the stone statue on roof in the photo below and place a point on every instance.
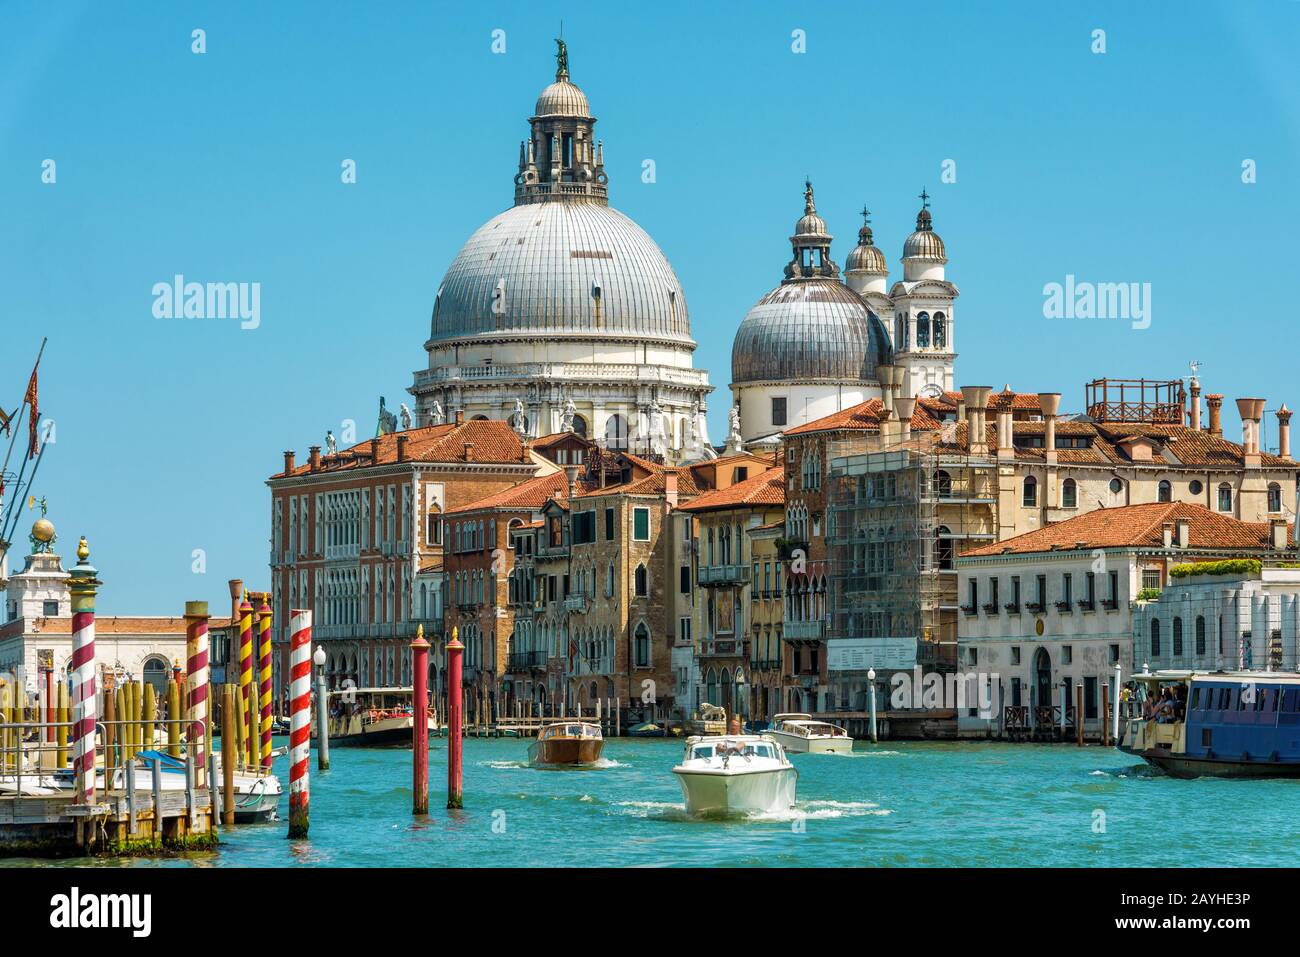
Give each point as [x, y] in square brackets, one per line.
[518, 420]
[387, 420]
[658, 440]
[436, 415]
[406, 416]
[733, 431]
[331, 444]
[566, 417]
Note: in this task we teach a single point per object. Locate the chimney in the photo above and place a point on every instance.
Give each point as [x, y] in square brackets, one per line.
[313, 458]
[374, 451]
[1248, 437]
[1006, 443]
[1214, 402]
[1278, 536]
[1284, 432]
[460, 416]
[401, 447]
[670, 489]
[288, 462]
[886, 376]
[1195, 421]
[570, 479]
[1050, 403]
[1184, 527]
[905, 407]
[1167, 534]
[469, 450]
[977, 400]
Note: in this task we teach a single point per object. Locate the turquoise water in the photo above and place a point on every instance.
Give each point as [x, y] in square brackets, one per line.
[893, 804]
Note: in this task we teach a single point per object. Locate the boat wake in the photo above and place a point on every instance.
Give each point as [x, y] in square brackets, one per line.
[823, 811]
[864, 754]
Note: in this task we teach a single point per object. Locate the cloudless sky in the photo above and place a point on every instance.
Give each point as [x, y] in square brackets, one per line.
[225, 167]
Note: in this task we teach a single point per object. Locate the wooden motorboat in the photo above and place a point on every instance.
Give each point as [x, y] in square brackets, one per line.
[373, 718]
[736, 774]
[648, 729]
[801, 734]
[573, 743]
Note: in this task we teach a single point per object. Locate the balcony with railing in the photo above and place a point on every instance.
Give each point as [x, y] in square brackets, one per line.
[526, 661]
[804, 630]
[721, 648]
[723, 574]
[577, 603]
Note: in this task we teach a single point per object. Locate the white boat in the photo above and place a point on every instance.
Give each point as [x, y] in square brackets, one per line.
[801, 734]
[736, 774]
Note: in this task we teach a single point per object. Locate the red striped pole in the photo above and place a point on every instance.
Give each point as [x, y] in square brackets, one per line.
[299, 719]
[420, 717]
[83, 586]
[454, 692]
[264, 673]
[196, 678]
[247, 696]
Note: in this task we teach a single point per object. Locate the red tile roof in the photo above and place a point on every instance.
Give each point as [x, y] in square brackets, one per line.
[492, 442]
[1139, 526]
[531, 494]
[766, 488]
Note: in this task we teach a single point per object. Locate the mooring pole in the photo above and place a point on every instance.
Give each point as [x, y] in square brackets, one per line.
[299, 720]
[196, 651]
[454, 730]
[227, 754]
[420, 724]
[1105, 714]
[1078, 714]
[871, 698]
[84, 585]
[264, 676]
[1115, 720]
[248, 724]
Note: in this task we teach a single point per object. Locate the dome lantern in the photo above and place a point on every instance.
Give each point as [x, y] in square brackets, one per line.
[561, 159]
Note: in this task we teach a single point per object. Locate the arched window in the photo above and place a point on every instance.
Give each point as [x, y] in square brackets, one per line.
[641, 644]
[1029, 498]
[1225, 497]
[1200, 634]
[616, 433]
[942, 484]
[642, 582]
[943, 547]
[1178, 636]
[711, 686]
[1274, 497]
[579, 426]
[156, 673]
[922, 330]
[1069, 494]
[1164, 491]
[939, 328]
[1155, 637]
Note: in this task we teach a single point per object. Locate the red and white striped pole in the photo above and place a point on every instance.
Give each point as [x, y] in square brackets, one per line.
[264, 675]
[83, 585]
[299, 720]
[196, 678]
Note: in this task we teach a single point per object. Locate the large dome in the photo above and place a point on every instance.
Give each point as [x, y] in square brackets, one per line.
[809, 329]
[576, 269]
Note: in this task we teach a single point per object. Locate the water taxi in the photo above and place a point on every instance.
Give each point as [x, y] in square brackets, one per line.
[1217, 723]
[572, 743]
[736, 774]
[800, 734]
[374, 718]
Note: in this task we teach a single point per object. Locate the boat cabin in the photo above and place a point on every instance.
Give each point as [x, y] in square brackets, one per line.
[569, 729]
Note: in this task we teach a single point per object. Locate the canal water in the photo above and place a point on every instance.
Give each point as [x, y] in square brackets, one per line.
[892, 804]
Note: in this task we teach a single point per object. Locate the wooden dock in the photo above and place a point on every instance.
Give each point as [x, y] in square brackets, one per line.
[120, 823]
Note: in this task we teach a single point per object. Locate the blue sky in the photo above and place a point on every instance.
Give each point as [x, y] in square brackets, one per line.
[1117, 167]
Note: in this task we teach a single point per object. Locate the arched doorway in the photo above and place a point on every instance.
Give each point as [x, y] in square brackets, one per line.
[1042, 678]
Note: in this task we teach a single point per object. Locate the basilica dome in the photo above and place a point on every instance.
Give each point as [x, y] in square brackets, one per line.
[925, 242]
[560, 269]
[812, 326]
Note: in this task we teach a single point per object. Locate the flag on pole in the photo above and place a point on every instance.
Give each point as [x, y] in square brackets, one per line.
[5, 418]
[33, 413]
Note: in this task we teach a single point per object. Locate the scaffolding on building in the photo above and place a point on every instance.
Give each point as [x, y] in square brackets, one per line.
[898, 513]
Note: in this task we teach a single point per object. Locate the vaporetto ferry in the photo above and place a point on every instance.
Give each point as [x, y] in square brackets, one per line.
[1217, 723]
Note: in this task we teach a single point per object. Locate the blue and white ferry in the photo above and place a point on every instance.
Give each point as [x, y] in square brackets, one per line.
[1217, 723]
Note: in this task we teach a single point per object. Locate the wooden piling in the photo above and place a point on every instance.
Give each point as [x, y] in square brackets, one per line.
[1078, 714]
[1105, 713]
[110, 732]
[173, 716]
[64, 716]
[150, 716]
[227, 754]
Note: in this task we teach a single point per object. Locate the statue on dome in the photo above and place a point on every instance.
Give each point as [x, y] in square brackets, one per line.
[566, 417]
[561, 60]
[331, 445]
[658, 440]
[436, 415]
[406, 416]
[387, 420]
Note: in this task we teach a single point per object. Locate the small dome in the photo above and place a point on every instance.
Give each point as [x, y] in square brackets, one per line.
[43, 530]
[866, 257]
[925, 242]
[562, 98]
[813, 328]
